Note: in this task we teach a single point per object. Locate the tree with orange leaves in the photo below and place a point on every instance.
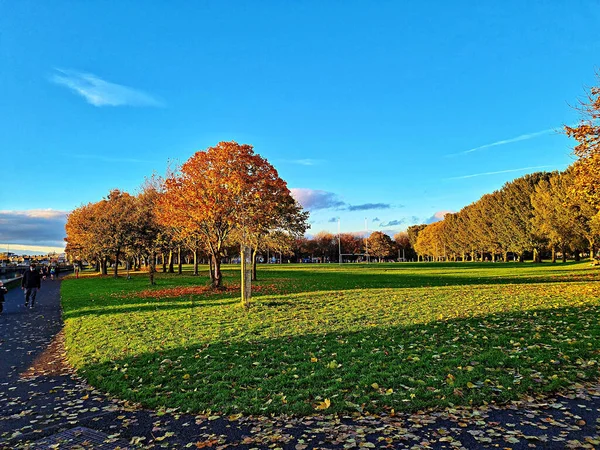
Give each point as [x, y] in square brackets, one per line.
[222, 191]
[587, 135]
[82, 230]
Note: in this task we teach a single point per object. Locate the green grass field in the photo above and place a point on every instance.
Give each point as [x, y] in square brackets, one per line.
[344, 338]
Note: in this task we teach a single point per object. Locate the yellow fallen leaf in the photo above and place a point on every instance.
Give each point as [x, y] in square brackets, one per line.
[470, 385]
[375, 386]
[313, 359]
[324, 404]
[186, 376]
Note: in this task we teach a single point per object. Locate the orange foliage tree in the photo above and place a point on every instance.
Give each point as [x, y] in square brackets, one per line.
[587, 135]
[223, 192]
[380, 245]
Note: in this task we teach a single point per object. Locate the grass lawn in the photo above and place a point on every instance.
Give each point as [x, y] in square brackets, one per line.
[344, 338]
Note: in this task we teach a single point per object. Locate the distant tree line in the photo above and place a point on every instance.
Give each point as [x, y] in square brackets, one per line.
[558, 212]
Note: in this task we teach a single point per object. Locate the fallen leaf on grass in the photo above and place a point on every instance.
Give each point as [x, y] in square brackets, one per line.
[324, 404]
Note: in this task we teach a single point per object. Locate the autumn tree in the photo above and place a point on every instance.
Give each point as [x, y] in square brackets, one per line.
[430, 241]
[327, 245]
[402, 243]
[413, 233]
[351, 244]
[224, 189]
[116, 224]
[82, 230]
[150, 237]
[381, 245]
[587, 135]
[280, 224]
[551, 215]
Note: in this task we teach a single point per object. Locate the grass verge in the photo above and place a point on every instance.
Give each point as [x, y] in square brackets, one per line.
[342, 338]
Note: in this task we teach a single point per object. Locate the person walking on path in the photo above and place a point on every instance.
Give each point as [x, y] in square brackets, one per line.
[31, 284]
[3, 291]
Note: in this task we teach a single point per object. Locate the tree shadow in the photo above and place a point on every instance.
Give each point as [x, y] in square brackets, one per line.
[293, 279]
[470, 360]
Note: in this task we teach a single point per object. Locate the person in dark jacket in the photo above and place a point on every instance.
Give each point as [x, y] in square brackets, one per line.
[3, 291]
[31, 284]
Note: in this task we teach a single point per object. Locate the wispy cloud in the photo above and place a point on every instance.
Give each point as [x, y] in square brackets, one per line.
[333, 220]
[99, 92]
[307, 162]
[523, 137]
[393, 223]
[368, 206]
[497, 172]
[41, 227]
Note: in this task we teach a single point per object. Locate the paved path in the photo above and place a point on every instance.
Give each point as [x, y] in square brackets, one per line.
[40, 397]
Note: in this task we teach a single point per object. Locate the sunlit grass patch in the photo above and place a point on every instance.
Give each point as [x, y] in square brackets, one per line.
[374, 338]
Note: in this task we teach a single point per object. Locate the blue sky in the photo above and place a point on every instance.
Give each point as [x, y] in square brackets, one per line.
[390, 111]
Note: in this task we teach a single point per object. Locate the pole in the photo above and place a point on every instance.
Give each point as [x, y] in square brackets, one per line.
[367, 240]
[339, 243]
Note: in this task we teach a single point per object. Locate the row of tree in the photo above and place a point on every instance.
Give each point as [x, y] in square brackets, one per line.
[559, 211]
[530, 214]
[221, 197]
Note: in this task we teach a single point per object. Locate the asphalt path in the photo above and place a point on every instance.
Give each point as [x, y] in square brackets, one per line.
[41, 397]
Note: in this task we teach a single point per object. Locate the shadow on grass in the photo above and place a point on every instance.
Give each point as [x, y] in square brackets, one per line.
[493, 358]
[292, 279]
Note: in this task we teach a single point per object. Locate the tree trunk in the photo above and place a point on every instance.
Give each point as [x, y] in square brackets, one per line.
[171, 262]
[217, 278]
[591, 249]
[537, 258]
[196, 273]
[211, 272]
[116, 271]
[564, 254]
[152, 269]
[164, 263]
[553, 253]
[505, 256]
[179, 261]
[246, 269]
[254, 251]
[104, 265]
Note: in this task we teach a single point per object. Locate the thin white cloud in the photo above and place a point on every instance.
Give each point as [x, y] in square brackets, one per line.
[393, 223]
[307, 162]
[497, 172]
[99, 92]
[523, 137]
